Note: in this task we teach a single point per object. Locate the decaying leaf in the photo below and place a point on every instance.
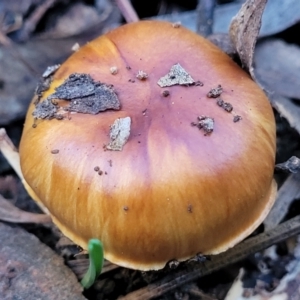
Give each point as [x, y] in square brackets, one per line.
[244, 30]
[119, 134]
[10, 213]
[279, 72]
[31, 270]
[177, 75]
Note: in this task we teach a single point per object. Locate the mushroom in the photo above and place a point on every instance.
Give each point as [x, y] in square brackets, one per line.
[171, 190]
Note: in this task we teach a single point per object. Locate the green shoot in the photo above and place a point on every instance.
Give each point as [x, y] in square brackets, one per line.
[95, 249]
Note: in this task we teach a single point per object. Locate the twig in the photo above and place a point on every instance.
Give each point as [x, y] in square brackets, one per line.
[10, 152]
[31, 22]
[10, 213]
[7, 42]
[241, 251]
[205, 14]
[287, 193]
[127, 11]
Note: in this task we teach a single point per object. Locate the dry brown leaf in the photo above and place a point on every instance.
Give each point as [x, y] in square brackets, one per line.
[10, 213]
[280, 71]
[244, 30]
[31, 270]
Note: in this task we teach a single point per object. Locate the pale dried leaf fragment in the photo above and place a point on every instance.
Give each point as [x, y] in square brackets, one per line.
[244, 30]
[10, 213]
[177, 75]
[50, 70]
[119, 134]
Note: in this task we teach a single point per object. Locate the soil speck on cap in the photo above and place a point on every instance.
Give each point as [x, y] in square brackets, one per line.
[176, 24]
[55, 151]
[113, 70]
[237, 118]
[190, 208]
[205, 123]
[125, 208]
[165, 93]
[199, 83]
[215, 92]
[141, 75]
[96, 169]
[177, 75]
[225, 105]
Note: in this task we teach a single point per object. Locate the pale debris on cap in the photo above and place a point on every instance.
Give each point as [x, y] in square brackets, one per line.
[119, 134]
[177, 75]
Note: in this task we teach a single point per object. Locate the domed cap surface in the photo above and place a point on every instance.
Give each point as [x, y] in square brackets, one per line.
[193, 172]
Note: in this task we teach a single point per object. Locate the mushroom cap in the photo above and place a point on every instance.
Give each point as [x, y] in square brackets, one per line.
[172, 191]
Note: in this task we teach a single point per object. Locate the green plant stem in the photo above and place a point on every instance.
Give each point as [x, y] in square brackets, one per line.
[95, 249]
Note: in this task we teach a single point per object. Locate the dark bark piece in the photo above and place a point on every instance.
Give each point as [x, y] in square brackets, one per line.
[85, 95]
[244, 30]
[279, 72]
[30, 270]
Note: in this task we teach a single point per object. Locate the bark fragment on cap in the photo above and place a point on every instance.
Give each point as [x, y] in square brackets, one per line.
[119, 134]
[177, 75]
[85, 95]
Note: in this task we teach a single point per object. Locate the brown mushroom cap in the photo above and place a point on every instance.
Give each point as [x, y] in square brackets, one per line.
[172, 192]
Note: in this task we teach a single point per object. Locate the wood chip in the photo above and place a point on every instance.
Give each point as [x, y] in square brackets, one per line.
[177, 75]
[119, 134]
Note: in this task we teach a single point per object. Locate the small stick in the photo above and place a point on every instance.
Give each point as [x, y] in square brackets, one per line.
[127, 11]
[10, 152]
[239, 252]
